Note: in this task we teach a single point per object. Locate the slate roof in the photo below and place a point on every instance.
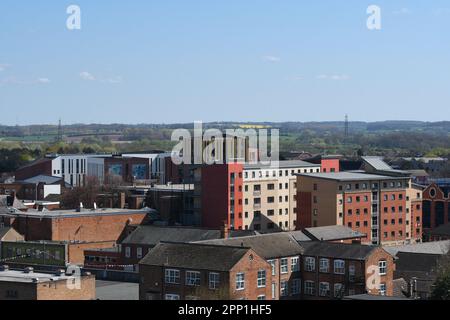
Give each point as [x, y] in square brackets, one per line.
[194, 256]
[152, 235]
[436, 247]
[268, 246]
[43, 179]
[330, 233]
[337, 250]
[377, 163]
[442, 230]
[299, 235]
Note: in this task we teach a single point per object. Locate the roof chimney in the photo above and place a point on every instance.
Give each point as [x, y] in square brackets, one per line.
[225, 232]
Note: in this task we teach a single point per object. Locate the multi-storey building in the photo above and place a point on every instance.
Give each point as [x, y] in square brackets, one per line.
[335, 270]
[436, 205]
[180, 271]
[249, 197]
[385, 207]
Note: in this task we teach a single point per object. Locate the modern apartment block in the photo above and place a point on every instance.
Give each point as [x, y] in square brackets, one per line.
[386, 208]
[180, 271]
[250, 197]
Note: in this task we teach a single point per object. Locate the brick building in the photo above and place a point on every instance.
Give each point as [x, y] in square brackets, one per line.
[247, 197]
[30, 285]
[436, 205]
[387, 208]
[71, 225]
[334, 270]
[177, 271]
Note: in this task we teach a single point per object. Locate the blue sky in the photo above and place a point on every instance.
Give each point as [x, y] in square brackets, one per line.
[180, 61]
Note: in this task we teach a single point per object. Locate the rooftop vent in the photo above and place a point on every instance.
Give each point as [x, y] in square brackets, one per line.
[28, 270]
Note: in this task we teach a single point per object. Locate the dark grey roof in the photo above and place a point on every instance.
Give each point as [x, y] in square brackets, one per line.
[421, 262]
[152, 235]
[337, 250]
[436, 247]
[268, 246]
[4, 231]
[370, 297]
[330, 233]
[43, 179]
[299, 235]
[442, 230]
[194, 256]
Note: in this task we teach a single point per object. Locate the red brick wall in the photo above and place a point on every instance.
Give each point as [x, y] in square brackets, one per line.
[76, 250]
[44, 167]
[328, 165]
[397, 227]
[304, 218]
[364, 219]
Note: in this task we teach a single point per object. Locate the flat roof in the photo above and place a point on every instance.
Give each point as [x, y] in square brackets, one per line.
[74, 213]
[283, 165]
[348, 176]
[31, 277]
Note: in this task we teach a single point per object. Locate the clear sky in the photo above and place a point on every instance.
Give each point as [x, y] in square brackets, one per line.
[172, 61]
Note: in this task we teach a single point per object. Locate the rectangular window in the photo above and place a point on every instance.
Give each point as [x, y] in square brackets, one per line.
[310, 264]
[127, 252]
[261, 278]
[261, 297]
[324, 289]
[284, 288]
[338, 290]
[214, 280]
[382, 290]
[296, 285]
[193, 278]
[240, 281]
[284, 265]
[382, 267]
[351, 272]
[139, 253]
[172, 297]
[295, 265]
[324, 265]
[310, 288]
[339, 267]
[273, 265]
[172, 276]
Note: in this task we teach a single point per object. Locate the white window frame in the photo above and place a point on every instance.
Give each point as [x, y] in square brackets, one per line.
[284, 265]
[324, 289]
[295, 264]
[382, 267]
[339, 266]
[214, 280]
[310, 264]
[172, 276]
[324, 265]
[193, 278]
[261, 278]
[310, 288]
[273, 265]
[240, 281]
[261, 297]
[170, 296]
[382, 289]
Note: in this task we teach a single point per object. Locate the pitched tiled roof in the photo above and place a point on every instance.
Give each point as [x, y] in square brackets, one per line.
[194, 256]
[268, 246]
[152, 235]
[337, 250]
